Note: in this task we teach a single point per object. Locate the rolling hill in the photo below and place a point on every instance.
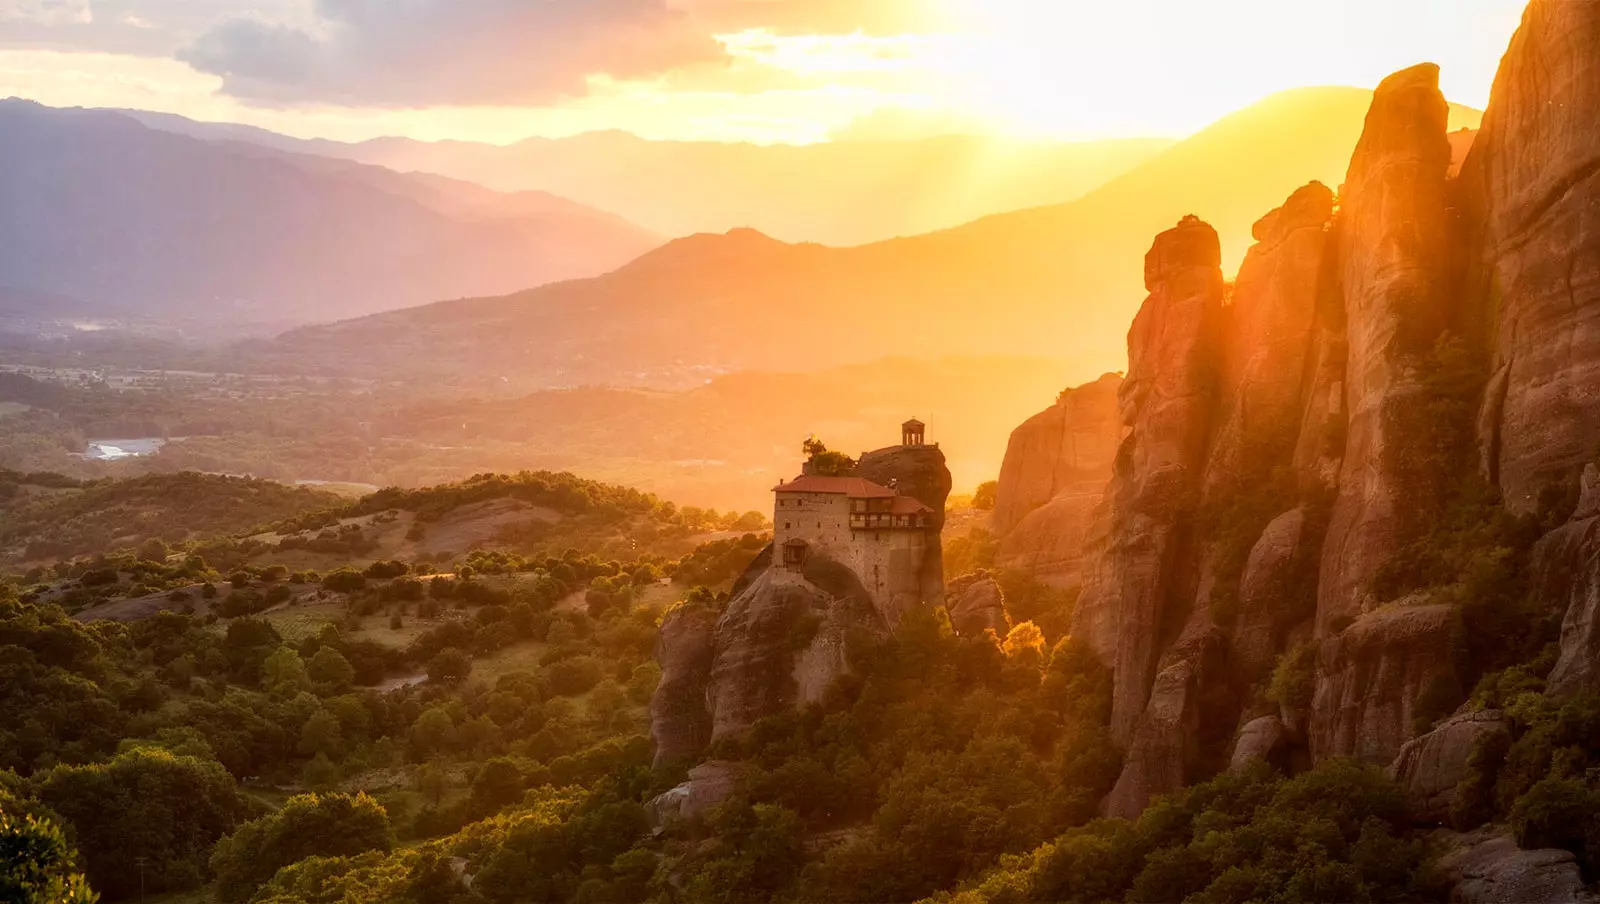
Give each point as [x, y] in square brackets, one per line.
[143, 222]
[1060, 280]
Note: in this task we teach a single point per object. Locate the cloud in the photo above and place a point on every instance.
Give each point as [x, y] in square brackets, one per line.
[872, 17]
[47, 12]
[418, 53]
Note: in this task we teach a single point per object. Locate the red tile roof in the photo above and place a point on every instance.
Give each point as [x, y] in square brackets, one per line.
[854, 487]
[905, 505]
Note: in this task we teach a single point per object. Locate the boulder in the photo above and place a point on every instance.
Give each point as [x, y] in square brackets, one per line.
[1264, 739]
[977, 605]
[1487, 867]
[709, 784]
[1371, 676]
[1394, 268]
[1431, 766]
[680, 724]
[1535, 168]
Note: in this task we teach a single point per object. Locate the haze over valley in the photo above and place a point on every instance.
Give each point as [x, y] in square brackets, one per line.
[723, 451]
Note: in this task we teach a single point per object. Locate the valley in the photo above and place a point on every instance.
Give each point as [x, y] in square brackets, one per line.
[991, 518]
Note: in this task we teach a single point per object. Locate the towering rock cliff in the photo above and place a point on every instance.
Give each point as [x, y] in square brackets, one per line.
[1055, 473]
[1291, 444]
[1535, 170]
[1394, 266]
[1133, 601]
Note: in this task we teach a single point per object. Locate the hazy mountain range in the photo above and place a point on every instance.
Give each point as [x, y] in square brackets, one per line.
[1061, 280]
[139, 222]
[844, 192]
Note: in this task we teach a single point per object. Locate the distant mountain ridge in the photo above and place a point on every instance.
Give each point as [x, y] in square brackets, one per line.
[143, 222]
[1059, 280]
[844, 192]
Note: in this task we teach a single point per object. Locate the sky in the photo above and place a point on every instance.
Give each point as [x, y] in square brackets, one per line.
[766, 71]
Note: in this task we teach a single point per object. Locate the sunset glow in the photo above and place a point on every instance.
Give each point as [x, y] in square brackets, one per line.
[788, 71]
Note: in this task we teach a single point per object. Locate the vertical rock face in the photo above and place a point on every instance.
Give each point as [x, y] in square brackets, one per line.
[1055, 473]
[1430, 767]
[1395, 274]
[1174, 353]
[1536, 168]
[1270, 341]
[679, 720]
[1371, 676]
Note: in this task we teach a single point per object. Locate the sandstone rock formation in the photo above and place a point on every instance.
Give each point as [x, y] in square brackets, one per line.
[1395, 275]
[1173, 350]
[709, 784]
[1431, 766]
[1535, 168]
[679, 720]
[919, 472]
[976, 605]
[1055, 473]
[1487, 868]
[1262, 739]
[1371, 676]
[779, 644]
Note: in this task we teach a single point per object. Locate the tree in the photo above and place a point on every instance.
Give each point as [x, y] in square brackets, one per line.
[320, 774]
[145, 806]
[326, 825]
[431, 782]
[497, 785]
[284, 673]
[330, 671]
[320, 735]
[450, 666]
[983, 500]
[434, 732]
[37, 866]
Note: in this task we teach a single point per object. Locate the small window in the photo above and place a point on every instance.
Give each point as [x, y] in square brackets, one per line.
[787, 525]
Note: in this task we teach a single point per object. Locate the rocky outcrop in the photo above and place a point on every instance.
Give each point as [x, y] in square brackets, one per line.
[1274, 595]
[1566, 578]
[919, 472]
[1055, 473]
[1488, 868]
[1260, 740]
[1431, 766]
[1166, 402]
[976, 605]
[1371, 676]
[753, 668]
[679, 720]
[1394, 270]
[782, 640]
[709, 784]
[1535, 168]
[1269, 342]
[1067, 449]
[1168, 735]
